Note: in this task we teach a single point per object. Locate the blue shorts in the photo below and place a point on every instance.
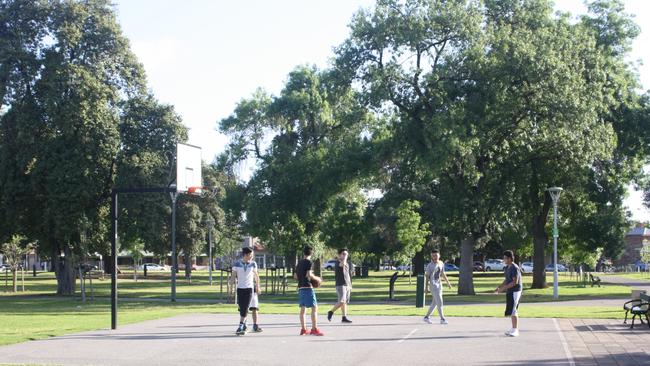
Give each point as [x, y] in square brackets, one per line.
[307, 297]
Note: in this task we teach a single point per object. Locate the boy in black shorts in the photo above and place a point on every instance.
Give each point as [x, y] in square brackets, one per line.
[513, 288]
[245, 273]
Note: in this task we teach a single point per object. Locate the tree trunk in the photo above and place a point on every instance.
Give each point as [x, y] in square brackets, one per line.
[538, 228]
[64, 270]
[465, 277]
[14, 276]
[317, 268]
[291, 261]
[418, 263]
[135, 270]
[188, 267]
[540, 239]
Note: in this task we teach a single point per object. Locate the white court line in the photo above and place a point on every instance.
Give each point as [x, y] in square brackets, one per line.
[406, 336]
[567, 351]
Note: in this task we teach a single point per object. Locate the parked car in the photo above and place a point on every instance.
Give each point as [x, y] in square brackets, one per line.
[152, 267]
[478, 266]
[527, 267]
[330, 264]
[494, 265]
[387, 267]
[404, 267]
[450, 267]
[87, 267]
[5, 268]
[640, 266]
[560, 268]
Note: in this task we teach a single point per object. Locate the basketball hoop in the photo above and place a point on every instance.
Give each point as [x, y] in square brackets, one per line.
[195, 191]
[203, 191]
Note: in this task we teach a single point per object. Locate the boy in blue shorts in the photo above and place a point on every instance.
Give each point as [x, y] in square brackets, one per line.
[306, 293]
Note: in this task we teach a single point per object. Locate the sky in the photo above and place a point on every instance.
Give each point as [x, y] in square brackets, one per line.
[203, 56]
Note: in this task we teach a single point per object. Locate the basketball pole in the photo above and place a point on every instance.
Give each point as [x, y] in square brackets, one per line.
[174, 195]
[114, 260]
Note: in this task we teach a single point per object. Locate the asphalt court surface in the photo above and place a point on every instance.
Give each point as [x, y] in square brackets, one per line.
[209, 339]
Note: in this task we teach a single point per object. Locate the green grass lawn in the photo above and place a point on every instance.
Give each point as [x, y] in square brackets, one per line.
[373, 289]
[632, 275]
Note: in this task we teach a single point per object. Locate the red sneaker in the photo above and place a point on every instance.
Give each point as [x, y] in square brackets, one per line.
[304, 331]
[316, 332]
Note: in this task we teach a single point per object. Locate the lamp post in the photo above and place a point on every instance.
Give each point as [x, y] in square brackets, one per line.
[209, 222]
[555, 196]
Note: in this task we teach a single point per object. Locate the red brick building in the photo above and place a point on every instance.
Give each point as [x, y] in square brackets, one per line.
[636, 239]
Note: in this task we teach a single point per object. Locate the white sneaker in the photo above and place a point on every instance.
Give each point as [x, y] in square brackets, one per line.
[509, 331]
[443, 321]
[427, 320]
[513, 333]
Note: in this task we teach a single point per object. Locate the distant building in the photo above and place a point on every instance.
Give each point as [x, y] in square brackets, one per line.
[636, 239]
[263, 257]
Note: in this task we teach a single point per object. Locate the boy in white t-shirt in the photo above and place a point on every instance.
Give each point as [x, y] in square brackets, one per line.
[244, 271]
[434, 272]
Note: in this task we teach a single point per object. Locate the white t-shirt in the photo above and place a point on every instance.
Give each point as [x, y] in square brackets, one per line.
[433, 271]
[245, 273]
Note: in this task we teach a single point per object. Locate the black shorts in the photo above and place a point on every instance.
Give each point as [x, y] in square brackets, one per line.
[244, 296]
[512, 302]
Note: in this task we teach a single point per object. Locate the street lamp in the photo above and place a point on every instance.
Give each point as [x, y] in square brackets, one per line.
[555, 196]
[209, 222]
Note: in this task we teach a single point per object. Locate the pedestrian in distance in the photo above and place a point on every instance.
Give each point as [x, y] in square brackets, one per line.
[343, 286]
[513, 289]
[304, 274]
[434, 272]
[245, 274]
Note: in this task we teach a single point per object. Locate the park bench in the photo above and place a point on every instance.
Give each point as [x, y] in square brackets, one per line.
[595, 280]
[638, 308]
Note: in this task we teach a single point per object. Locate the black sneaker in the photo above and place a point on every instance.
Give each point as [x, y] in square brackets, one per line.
[330, 314]
[257, 329]
[346, 320]
[241, 330]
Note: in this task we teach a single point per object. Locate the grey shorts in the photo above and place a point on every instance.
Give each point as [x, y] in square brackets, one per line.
[343, 293]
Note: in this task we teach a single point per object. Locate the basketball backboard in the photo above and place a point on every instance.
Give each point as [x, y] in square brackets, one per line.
[188, 167]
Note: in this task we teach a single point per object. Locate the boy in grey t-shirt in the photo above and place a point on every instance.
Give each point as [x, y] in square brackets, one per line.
[434, 271]
[343, 286]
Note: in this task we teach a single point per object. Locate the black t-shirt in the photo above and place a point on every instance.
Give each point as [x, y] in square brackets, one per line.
[302, 269]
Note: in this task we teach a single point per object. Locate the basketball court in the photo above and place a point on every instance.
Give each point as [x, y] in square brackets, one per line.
[209, 339]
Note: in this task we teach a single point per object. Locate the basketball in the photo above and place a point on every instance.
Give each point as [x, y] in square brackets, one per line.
[315, 282]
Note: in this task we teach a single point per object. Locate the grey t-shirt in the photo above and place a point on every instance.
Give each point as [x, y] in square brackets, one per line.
[433, 271]
[513, 273]
[342, 275]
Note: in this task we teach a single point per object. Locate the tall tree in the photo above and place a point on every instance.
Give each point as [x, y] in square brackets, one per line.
[314, 125]
[74, 94]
